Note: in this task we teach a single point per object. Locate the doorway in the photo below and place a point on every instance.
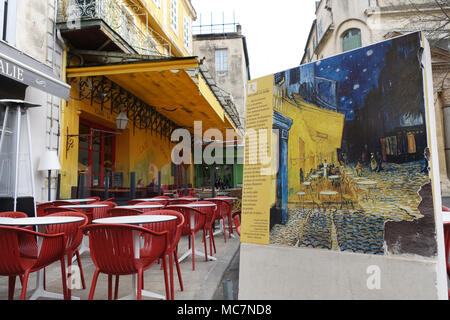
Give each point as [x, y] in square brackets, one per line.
[96, 153]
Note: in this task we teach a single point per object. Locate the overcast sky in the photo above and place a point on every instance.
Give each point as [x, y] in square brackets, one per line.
[275, 31]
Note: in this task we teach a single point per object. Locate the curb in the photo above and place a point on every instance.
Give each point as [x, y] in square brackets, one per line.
[213, 280]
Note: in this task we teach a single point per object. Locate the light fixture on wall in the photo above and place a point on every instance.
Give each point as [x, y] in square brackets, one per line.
[49, 161]
[122, 121]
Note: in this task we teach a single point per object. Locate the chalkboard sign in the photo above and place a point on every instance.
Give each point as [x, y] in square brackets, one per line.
[118, 179]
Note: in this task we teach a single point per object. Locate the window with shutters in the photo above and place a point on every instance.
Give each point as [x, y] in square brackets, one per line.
[221, 62]
[187, 33]
[351, 39]
[174, 14]
[8, 20]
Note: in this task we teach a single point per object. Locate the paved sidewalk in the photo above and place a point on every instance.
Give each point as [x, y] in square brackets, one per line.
[201, 284]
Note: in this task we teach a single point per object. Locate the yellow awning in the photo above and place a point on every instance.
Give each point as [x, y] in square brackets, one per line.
[173, 87]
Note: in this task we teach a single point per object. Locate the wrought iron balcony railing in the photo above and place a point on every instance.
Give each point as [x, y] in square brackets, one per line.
[125, 17]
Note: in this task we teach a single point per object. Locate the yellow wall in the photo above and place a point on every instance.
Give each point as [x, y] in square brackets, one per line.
[136, 150]
[160, 22]
[315, 135]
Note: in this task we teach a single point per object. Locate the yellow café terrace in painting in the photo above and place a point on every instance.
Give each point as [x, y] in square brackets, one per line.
[128, 64]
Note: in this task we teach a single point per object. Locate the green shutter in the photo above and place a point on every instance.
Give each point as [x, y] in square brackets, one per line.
[351, 40]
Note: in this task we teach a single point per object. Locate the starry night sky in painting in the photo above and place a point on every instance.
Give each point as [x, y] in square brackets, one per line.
[354, 73]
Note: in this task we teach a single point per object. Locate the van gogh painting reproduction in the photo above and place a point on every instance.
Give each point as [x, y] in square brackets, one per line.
[353, 153]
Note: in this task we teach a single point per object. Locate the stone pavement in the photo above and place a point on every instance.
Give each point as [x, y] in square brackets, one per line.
[202, 284]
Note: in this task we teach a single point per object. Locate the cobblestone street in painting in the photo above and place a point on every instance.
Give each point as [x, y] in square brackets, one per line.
[358, 228]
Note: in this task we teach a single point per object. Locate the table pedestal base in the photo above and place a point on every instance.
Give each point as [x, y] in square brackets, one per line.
[197, 253]
[145, 293]
[40, 292]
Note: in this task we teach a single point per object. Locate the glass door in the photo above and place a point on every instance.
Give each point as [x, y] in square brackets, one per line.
[96, 153]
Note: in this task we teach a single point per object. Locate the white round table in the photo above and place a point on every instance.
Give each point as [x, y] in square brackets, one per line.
[40, 222]
[141, 206]
[152, 199]
[367, 182]
[193, 205]
[137, 220]
[328, 193]
[84, 206]
[77, 200]
[189, 199]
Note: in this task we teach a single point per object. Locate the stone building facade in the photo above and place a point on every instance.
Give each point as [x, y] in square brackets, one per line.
[29, 31]
[225, 56]
[343, 25]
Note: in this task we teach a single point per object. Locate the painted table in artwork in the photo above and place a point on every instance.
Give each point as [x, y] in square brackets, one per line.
[369, 185]
[329, 194]
[40, 223]
[138, 220]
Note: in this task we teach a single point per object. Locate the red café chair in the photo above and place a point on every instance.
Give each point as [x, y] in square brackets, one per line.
[13, 214]
[150, 203]
[102, 212]
[164, 200]
[121, 212]
[52, 210]
[73, 238]
[112, 251]
[223, 210]
[447, 249]
[161, 197]
[40, 207]
[198, 219]
[17, 261]
[179, 201]
[94, 199]
[211, 214]
[58, 203]
[174, 229]
[237, 221]
[133, 202]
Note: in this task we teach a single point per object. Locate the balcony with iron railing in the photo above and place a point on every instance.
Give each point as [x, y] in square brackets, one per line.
[110, 25]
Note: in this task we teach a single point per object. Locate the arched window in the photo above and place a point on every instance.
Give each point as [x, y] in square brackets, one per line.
[351, 39]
